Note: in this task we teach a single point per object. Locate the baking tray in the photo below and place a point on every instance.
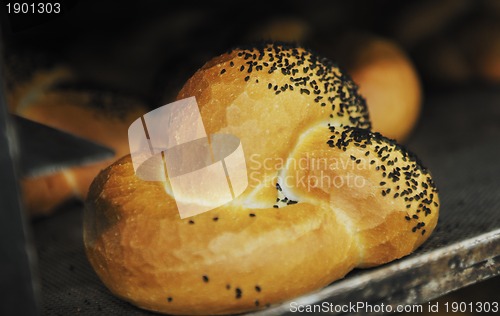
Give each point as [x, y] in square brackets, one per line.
[458, 139]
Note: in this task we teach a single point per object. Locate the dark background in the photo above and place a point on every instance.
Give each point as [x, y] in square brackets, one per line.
[147, 49]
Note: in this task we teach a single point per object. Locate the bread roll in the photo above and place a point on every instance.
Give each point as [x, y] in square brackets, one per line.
[98, 116]
[325, 195]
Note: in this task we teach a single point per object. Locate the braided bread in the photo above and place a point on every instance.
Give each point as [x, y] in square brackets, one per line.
[325, 195]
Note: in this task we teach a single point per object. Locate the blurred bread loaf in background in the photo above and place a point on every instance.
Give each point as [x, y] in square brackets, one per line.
[387, 79]
[99, 116]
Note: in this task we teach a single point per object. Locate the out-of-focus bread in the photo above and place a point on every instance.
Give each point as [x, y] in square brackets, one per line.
[387, 80]
[98, 116]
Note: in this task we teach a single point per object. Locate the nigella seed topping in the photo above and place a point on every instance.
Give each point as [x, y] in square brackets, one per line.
[411, 180]
[321, 83]
[278, 187]
[313, 76]
[238, 292]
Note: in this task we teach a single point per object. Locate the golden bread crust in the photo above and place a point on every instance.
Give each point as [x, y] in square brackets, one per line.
[283, 236]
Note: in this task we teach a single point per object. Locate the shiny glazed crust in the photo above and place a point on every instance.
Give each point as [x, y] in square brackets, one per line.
[284, 236]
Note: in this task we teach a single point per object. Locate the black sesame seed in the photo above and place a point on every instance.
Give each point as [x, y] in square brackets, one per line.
[205, 278]
[222, 71]
[247, 78]
[256, 302]
[191, 222]
[251, 215]
[169, 299]
[257, 288]
[215, 219]
[239, 293]
[228, 287]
